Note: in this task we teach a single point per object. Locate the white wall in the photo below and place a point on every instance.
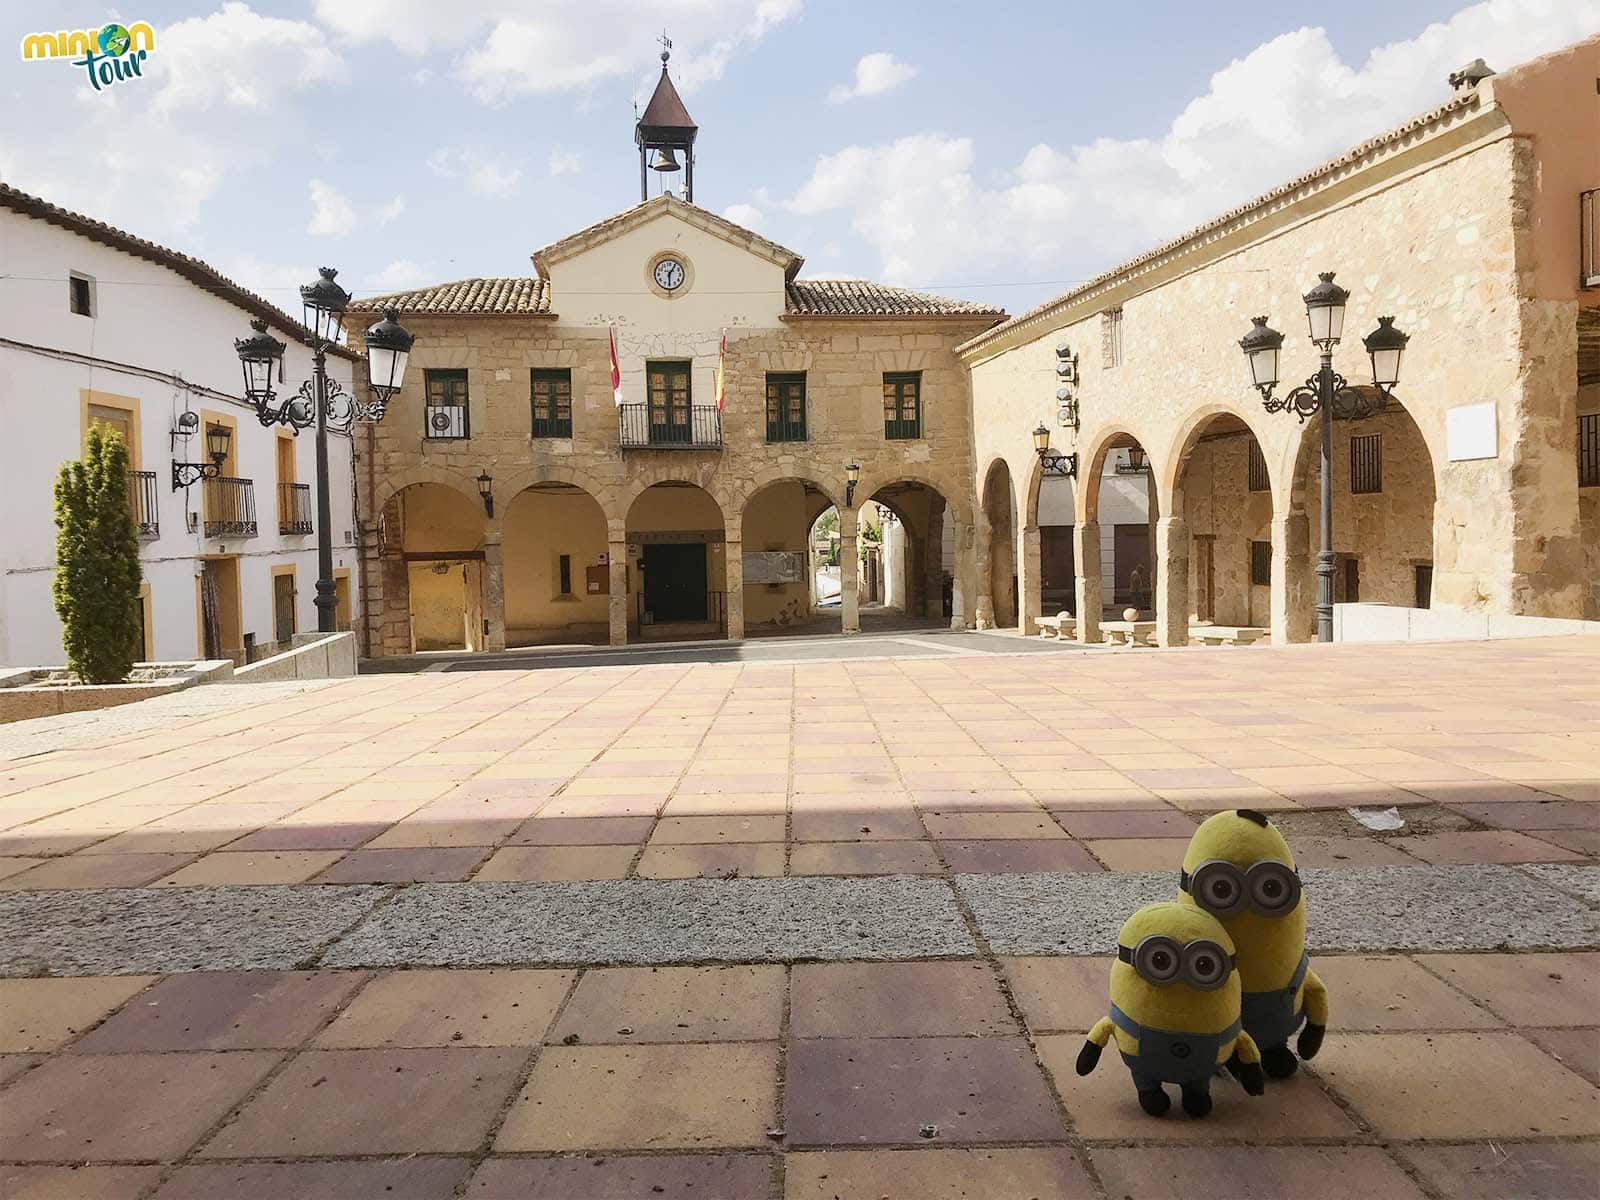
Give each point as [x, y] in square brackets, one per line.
[147, 318]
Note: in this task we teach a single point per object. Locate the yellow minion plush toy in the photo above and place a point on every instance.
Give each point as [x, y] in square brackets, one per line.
[1175, 1009]
[1239, 869]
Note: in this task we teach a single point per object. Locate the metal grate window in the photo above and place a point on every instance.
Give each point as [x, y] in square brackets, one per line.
[902, 405]
[1589, 450]
[1257, 469]
[1261, 564]
[564, 567]
[786, 408]
[1111, 338]
[551, 397]
[445, 415]
[1366, 464]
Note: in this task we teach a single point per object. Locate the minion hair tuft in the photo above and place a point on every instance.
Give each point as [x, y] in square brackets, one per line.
[1250, 814]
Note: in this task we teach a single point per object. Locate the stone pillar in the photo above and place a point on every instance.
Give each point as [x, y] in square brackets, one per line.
[733, 552]
[849, 594]
[1030, 581]
[933, 558]
[1153, 514]
[617, 560]
[1086, 560]
[960, 576]
[1172, 582]
[983, 541]
[494, 591]
[1294, 586]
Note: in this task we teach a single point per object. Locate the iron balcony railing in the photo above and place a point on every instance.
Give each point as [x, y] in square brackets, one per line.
[144, 496]
[294, 508]
[1589, 238]
[698, 427]
[230, 507]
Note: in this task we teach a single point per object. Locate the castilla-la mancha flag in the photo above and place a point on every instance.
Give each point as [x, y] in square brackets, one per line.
[722, 372]
[616, 371]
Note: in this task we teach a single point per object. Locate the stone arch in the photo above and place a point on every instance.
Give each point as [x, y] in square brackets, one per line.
[1091, 462]
[641, 481]
[432, 560]
[390, 486]
[775, 518]
[740, 496]
[1170, 467]
[555, 539]
[955, 503]
[528, 477]
[998, 532]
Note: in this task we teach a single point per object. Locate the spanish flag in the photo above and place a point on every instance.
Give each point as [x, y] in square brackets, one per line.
[616, 371]
[722, 371]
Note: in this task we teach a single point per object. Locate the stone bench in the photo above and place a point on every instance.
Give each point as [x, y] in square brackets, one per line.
[1062, 625]
[1129, 633]
[1226, 635]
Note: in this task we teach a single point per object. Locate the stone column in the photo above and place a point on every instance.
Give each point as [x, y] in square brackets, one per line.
[733, 552]
[494, 591]
[1153, 514]
[960, 577]
[1030, 581]
[983, 539]
[849, 597]
[933, 557]
[1294, 587]
[617, 560]
[1172, 582]
[1086, 559]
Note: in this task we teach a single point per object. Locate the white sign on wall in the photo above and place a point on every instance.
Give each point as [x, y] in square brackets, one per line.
[1471, 432]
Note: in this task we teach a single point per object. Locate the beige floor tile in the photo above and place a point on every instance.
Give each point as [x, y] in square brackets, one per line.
[1387, 993]
[552, 863]
[1060, 993]
[451, 1008]
[1527, 989]
[226, 868]
[1139, 854]
[964, 1174]
[95, 871]
[747, 859]
[1252, 1173]
[675, 1004]
[44, 1014]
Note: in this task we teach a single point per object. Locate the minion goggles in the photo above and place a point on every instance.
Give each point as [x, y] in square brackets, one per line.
[1269, 887]
[1162, 960]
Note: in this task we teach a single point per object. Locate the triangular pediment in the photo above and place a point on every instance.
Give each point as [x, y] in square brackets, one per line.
[665, 207]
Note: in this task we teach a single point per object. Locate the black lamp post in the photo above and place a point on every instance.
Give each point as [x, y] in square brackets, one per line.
[1327, 393]
[321, 399]
[486, 491]
[1050, 461]
[852, 476]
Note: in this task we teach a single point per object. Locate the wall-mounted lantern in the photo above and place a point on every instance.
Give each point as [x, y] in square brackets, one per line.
[1064, 466]
[852, 475]
[486, 490]
[218, 439]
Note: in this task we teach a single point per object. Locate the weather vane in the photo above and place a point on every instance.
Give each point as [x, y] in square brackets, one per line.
[666, 46]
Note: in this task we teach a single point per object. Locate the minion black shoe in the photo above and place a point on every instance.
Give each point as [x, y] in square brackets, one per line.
[1196, 1101]
[1279, 1061]
[1155, 1102]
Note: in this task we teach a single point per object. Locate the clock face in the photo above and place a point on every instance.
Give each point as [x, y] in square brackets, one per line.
[669, 274]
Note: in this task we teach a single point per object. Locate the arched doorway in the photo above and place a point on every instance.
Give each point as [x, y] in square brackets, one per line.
[924, 541]
[1224, 497]
[557, 580]
[1050, 510]
[433, 570]
[1383, 512]
[779, 529]
[1120, 504]
[1000, 519]
[677, 563]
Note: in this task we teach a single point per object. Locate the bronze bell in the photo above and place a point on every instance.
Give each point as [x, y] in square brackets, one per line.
[666, 161]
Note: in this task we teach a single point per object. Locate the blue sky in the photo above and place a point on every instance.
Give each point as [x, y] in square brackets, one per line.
[412, 141]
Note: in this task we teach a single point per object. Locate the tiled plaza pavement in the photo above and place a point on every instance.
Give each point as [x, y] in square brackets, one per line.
[981, 819]
[1448, 1076]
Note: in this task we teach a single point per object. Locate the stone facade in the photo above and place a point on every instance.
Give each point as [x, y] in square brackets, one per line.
[584, 496]
[1436, 224]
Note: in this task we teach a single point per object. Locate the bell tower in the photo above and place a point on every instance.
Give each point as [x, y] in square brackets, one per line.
[665, 128]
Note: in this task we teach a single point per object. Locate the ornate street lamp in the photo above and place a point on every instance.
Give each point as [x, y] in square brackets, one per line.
[218, 439]
[852, 476]
[1051, 462]
[321, 399]
[486, 490]
[1327, 393]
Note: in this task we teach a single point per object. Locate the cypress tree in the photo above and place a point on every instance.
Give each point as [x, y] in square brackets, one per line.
[96, 585]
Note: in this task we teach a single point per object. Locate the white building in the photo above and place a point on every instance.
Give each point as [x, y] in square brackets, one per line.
[97, 325]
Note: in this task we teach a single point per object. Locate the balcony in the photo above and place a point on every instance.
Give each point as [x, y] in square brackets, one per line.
[143, 496]
[1589, 238]
[294, 508]
[230, 507]
[698, 427]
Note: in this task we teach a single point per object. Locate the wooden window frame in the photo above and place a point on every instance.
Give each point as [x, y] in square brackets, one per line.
[563, 575]
[781, 388]
[553, 425]
[1366, 464]
[1257, 478]
[896, 427]
[77, 281]
[1589, 450]
[670, 370]
[446, 376]
[1260, 551]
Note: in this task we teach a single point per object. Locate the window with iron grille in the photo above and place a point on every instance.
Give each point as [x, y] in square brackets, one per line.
[1111, 338]
[80, 294]
[1366, 464]
[445, 414]
[564, 566]
[786, 408]
[1261, 564]
[551, 393]
[902, 404]
[1589, 450]
[1257, 470]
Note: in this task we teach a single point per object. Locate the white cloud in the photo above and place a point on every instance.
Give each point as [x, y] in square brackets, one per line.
[391, 210]
[400, 275]
[486, 173]
[564, 162]
[875, 74]
[747, 215]
[506, 48]
[150, 153]
[923, 203]
[331, 213]
[277, 282]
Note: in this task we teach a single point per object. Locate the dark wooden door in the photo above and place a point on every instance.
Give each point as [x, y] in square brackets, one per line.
[675, 581]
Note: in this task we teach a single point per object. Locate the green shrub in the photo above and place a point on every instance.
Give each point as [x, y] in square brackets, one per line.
[96, 586]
